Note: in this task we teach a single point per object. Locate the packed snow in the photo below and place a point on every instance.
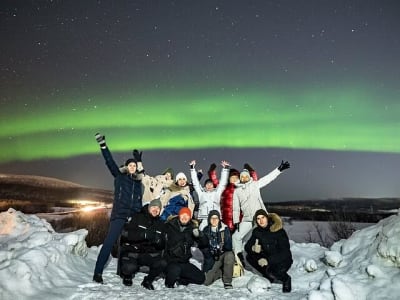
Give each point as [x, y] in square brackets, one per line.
[38, 263]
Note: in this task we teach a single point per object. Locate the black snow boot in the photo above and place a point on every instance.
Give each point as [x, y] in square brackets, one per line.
[98, 278]
[127, 281]
[146, 283]
[287, 285]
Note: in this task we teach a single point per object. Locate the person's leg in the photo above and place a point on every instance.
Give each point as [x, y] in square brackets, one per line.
[214, 273]
[173, 272]
[191, 274]
[114, 231]
[253, 261]
[228, 262]
[237, 239]
[279, 273]
[156, 266]
[129, 267]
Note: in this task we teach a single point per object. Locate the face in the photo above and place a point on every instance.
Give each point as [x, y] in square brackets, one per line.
[209, 186]
[214, 220]
[131, 167]
[168, 176]
[154, 211]
[244, 178]
[233, 179]
[262, 221]
[184, 218]
[181, 181]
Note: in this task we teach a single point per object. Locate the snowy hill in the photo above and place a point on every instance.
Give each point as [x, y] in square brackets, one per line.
[38, 263]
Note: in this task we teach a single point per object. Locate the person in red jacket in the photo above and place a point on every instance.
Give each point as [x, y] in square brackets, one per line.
[227, 194]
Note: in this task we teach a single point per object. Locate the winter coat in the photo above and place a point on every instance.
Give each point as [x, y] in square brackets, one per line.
[179, 240]
[218, 243]
[144, 233]
[127, 189]
[247, 197]
[154, 187]
[174, 198]
[274, 243]
[209, 200]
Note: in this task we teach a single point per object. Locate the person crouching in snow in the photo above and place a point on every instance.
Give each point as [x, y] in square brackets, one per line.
[268, 249]
[176, 196]
[142, 242]
[181, 233]
[209, 197]
[218, 257]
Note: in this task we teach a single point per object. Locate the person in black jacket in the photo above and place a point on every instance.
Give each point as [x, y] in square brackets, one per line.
[127, 200]
[268, 249]
[218, 257]
[142, 242]
[181, 234]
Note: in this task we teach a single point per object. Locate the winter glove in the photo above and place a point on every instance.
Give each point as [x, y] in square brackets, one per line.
[196, 232]
[248, 167]
[137, 155]
[256, 247]
[101, 139]
[283, 166]
[212, 168]
[262, 262]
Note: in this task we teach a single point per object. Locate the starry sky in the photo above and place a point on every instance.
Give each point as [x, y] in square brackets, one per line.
[315, 82]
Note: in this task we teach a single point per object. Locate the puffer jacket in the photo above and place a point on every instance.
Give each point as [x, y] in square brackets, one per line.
[137, 232]
[209, 200]
[127, 189]
[179, 240]
[247, 196]
[275, 246]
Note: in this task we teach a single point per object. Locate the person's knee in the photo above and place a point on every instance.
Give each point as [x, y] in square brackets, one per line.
[128, 267]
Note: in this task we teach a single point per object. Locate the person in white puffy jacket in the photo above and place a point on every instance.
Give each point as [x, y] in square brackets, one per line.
[247, 199]
[209, 197]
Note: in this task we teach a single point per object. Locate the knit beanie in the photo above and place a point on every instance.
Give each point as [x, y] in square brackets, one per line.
[130, 160]
[155, 202]
[244, 172]
[170, 171]
[234, 172]
[213, 212]
[180, 175]
[185, 210]
[260, 212]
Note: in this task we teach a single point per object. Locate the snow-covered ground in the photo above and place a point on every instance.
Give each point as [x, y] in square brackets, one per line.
[38, 263]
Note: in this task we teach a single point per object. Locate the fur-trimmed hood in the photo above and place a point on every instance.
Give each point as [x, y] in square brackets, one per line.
[274, 221]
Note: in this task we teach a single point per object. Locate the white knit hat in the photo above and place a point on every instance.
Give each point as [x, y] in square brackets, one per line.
[180, 175]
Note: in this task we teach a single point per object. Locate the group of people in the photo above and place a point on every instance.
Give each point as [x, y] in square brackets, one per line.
[158, 223]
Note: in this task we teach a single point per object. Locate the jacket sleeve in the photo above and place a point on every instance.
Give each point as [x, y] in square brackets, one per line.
[110, 162]
[136, 233]
[236, 208]
[271, 176]
[195, 181]
[224, 181]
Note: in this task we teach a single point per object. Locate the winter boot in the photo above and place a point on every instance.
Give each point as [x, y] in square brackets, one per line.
[127, 281]
[228, 286]
[98, 278]
[241, 257]
[146, 283]
[287, 285]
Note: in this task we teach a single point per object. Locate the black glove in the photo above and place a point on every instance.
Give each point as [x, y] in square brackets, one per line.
[101, 139]
[212, 168]
[283, 166]
[124, 233]
[196, 232]
[248, 167]
[137, 155]
[237, 227]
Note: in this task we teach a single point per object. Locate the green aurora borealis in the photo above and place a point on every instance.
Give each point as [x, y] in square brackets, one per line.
[349, 119]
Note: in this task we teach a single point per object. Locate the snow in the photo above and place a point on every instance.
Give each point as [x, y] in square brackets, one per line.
[38, 263]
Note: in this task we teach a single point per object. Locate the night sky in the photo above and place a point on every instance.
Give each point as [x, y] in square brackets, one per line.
[315, 82]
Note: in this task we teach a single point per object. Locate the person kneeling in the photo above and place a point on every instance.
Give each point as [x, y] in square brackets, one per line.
[142, 242]
[218, 257]
[268, 249]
